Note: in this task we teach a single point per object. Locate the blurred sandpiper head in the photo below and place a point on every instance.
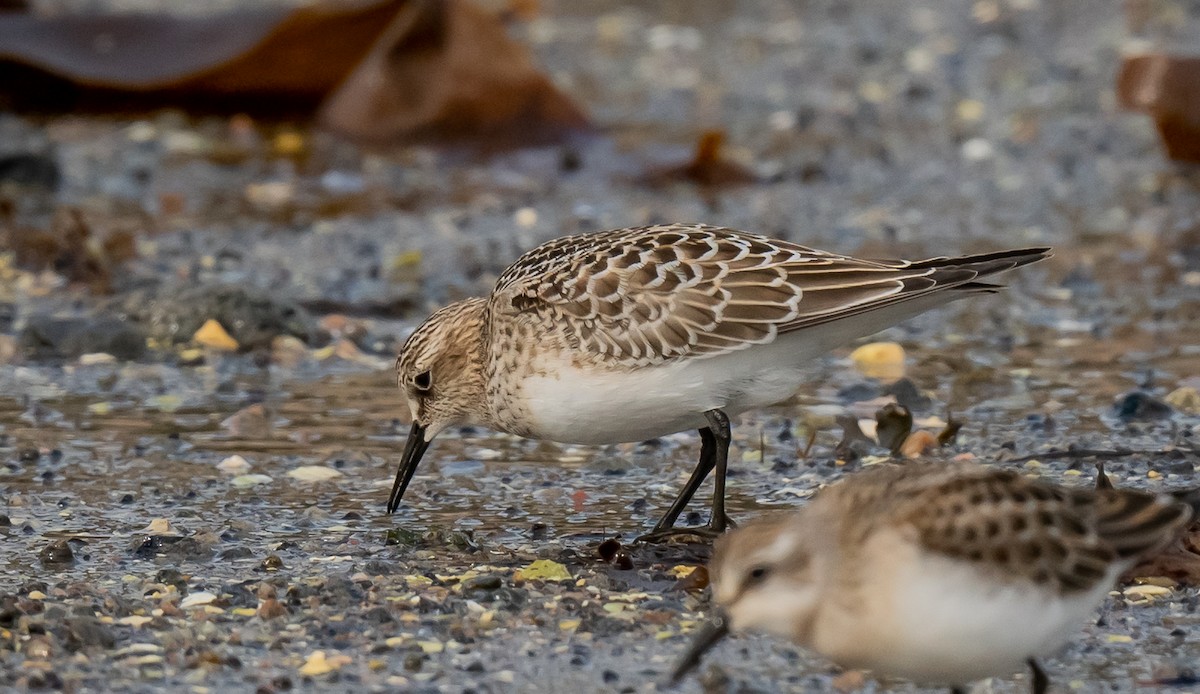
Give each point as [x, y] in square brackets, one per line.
[938, 574]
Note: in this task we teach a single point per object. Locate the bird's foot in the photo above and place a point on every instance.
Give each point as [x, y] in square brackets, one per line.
[709, 531]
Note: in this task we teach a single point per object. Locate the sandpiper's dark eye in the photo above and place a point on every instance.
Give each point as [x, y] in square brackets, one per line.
[423, 381]
[757, 575]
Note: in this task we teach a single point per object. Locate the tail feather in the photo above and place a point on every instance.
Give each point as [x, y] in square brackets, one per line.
[957, 277]
[984, 264]
[1136, 523]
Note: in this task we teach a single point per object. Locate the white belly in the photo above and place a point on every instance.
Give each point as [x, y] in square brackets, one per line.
[571, 405]
[940, 621]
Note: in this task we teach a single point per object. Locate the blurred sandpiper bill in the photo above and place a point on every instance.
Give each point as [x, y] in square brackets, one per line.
[631, 334]
[937, 574]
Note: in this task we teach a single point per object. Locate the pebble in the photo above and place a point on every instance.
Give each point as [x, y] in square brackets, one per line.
[882, 360]
[57, 555]
[233, 465]
[1140, 406]
[313, 473]
[252, 480]
[977, 149]
[1186, 399]
[214, 336]
[197, 599]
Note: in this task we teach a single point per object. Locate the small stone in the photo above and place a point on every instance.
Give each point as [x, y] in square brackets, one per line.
[882, 360]
[100, 408]
[526, 217]
[484, 582]
[233, 465]
[318, 664]
[251, 422]
[918, 444]
[87, 632]
[288, 351]
[977, 149]
[543, 570]
[1185, 399]
[160, 526]
[197, 599]
[313, 473]
[213, 335]
[1146, 592]
[609, 548]
[95, 358]
[57, 554]
[1142, 406]
[969, 110]
[270, 608]
[245, 481]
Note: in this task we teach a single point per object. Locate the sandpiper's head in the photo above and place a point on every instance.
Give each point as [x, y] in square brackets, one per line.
[764, 578]
[440, 372]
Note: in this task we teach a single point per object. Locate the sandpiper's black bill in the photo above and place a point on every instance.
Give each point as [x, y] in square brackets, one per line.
[708, 637]
[413, 450]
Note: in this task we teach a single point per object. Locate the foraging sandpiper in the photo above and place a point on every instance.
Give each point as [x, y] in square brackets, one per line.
[941, 574]
[631, 334]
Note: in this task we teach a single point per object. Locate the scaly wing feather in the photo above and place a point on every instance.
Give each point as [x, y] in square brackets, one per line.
[648, 295]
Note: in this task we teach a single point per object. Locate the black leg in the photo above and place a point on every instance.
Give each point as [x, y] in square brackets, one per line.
[714, 454]
[718, 422]
[1040, 681]
[708, 445]
[958, 690]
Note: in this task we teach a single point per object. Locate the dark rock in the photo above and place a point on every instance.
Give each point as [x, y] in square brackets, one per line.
[857, 392]
[486, 582]
[172, 577]
[88, 632]
[378, 615]
[45, 680]
[377, 567]
[57, 555]
[272, 563]
[171, 546]
[893, 425]
[1140, 406]
[908, 395]
[340, 591]
[39, 170]
[46, 337]
[236, 553]
[609, 548]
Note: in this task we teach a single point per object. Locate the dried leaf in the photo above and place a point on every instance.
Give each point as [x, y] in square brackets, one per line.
[543, 570]
[380, 72]
[707, 167]
[1167, 87]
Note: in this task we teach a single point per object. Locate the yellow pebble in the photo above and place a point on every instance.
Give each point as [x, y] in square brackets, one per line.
[882, 360]
[213, 334]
